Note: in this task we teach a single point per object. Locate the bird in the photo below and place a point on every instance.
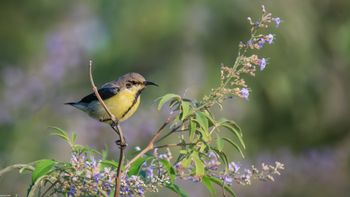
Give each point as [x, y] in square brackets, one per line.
[121, 96]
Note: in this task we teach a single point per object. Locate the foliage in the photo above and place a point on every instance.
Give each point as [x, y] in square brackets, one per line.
[201, 142]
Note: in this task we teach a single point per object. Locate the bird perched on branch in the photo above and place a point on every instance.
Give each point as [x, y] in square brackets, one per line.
[121, 96]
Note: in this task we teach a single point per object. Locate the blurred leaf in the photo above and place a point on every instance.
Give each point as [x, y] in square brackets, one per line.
[192, 133]
[60, 133]
[136, 166]
[219, 143]
[42, 167]
[208, 184]
[220, 182]
[202, 120]
[222, 156]
[185, 107]
[175, 188]
[234, 145]
[200, 167]
[169, 168]
[167, 98]
[186, 162]
[234, 128]
[74, 137]
[109, 163]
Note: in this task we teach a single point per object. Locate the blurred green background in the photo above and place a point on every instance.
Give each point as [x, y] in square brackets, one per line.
[298, 112]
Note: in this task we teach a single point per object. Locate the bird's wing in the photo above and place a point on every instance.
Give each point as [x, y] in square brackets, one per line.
[105, 93]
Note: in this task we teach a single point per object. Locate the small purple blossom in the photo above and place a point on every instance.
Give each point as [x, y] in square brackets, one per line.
[269, 38]
[262, 64]
[228, 180]
[244, 93]
[71, 191]
[233, 167]
[277, 21]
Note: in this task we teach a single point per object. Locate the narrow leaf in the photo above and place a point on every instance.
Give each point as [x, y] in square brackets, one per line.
[42, 167]
[208, 184]
[175, 188]
[202, 120]
[169, 168]
[136, 166]
[185, 107]
[167, 98]
[200, 167]
[234, 145]
[220, 182]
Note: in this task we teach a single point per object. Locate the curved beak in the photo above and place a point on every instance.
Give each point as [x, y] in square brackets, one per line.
[147, 83]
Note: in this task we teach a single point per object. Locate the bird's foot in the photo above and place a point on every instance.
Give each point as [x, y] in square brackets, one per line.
[120, 144]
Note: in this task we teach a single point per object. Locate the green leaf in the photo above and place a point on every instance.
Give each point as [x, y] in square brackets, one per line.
[202, 120]
[234, 128]
[60, 133]
[175, 188]
[74, 138]
[109, 163]
[208, 184]
[192, 133]
[220, 182]
[169, 168]
[200, 167]
[222, 156]
[185, 107]
[219, 143]
[234, 145]
[42, 167]
[186, 162]
[136, 166]
[167, 98]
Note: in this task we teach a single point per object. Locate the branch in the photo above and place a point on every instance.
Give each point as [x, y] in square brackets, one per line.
[150, 145]
[16, 166]
[94, 88]
[115, 126]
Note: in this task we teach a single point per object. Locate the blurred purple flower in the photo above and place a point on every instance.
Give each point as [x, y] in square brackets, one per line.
[277, 21]
[244, 93]
[262, 63]
[269, 38]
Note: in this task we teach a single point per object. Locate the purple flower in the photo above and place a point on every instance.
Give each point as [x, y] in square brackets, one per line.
[233, 167]
[261, 43]
[277, 21]
[149, 172]
[71, 191]
[262, 64]
[228, 180]
[244, 93]
[269, 38]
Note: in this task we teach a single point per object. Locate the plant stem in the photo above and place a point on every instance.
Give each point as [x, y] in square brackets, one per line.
[115, 126]
[150, 145]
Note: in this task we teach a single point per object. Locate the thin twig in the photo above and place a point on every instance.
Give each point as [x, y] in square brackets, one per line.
[174, 145]
[150, 145]
[94, 88]
[115, 126]
[16, 166]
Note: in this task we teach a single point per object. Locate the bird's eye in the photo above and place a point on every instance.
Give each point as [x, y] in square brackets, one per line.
[128, 85]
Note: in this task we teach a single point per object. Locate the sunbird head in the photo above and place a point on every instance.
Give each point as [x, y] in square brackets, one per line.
[133, 82]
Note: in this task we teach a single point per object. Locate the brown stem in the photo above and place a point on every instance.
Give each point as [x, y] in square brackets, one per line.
[150, 145]
[174, 145]
[115, 126]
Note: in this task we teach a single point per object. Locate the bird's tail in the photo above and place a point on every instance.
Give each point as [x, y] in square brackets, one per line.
[77, 105]
[70, 103]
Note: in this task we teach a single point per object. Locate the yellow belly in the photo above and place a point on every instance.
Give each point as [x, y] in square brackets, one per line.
[120, 104]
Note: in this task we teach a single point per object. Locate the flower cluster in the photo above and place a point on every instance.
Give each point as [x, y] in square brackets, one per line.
[232, 83]
[85, 176]
[233, 173]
